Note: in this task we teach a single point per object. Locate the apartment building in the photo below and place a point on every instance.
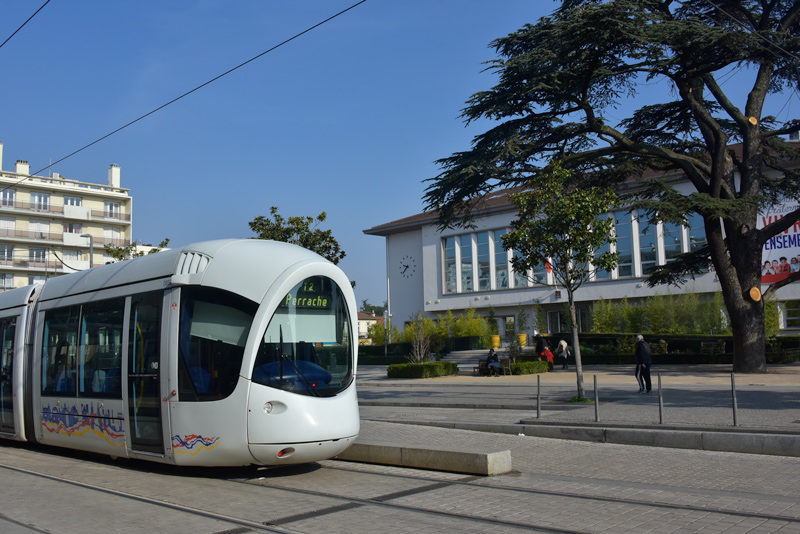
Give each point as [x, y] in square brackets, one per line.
[51, 225]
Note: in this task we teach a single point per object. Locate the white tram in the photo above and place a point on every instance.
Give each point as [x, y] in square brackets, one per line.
[230, 352]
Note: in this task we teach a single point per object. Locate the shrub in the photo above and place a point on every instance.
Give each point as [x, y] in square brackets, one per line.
[530, 368]
[422, 370]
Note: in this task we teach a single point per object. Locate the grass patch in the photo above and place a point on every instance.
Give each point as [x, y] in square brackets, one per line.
[584, 400]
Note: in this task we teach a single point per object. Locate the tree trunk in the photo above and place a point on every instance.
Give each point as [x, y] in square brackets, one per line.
[739, 273]
[576, 347]
[749, 337]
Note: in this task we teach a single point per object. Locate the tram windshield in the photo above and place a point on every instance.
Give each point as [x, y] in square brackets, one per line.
[307, 347]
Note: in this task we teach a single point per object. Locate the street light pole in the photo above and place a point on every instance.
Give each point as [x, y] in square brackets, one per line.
[91, 249]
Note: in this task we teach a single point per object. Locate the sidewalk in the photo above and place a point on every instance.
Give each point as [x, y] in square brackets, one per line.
[695, 409]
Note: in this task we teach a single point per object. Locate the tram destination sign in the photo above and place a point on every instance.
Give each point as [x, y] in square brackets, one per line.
[312, 294]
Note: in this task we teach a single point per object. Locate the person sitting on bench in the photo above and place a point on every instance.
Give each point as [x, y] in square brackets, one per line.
[493, 363]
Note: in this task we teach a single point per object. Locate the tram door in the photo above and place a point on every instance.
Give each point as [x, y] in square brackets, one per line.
[144, 369]
[7, 330]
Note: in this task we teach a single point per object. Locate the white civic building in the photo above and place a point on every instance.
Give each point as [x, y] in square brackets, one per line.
[432, 271]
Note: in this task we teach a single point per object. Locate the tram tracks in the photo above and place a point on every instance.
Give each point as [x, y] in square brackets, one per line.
[436, 484]
[602, 498]
[422, 494]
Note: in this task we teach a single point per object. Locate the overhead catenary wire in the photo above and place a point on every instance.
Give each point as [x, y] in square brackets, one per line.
[187, 93]
[23, 24]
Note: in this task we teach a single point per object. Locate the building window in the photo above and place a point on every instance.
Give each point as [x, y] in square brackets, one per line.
[39, 229]
[510, 326]
[73, 228]
[624, 246]
[37, 256]
[555, 322]
[484, 266]
[697, 232]
[7, 226]
[500, 261]
[482, 255]
[647, 244]
[450, 265]
[673, 241]
[71, 255]
[602, 274]
[112, 235]
[40, 201]
[792, 308]
[466, 263]
[7, 198]
[7, 281]
[73, 201]
[6, 253]
[112, 210]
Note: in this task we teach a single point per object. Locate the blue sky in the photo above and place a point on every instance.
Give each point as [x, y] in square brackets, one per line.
[347, 119]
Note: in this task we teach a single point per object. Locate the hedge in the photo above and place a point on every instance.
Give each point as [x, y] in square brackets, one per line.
[422, 370]
[530, 367]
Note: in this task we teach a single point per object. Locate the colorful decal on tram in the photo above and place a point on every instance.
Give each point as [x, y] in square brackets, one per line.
[193, 444]
[104, 424]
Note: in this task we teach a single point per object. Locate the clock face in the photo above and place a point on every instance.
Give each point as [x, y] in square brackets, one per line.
[408, 266]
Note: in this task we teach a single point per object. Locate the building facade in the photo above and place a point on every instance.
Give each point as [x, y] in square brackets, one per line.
[433, 270]
[52, 225]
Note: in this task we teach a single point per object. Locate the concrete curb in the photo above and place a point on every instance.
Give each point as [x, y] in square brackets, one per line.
[453, 459]
[749, 442]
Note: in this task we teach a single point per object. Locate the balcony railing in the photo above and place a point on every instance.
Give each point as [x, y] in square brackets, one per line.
[10, 233]
[39, 207]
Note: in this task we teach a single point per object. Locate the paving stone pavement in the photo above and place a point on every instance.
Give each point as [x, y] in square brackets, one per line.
[556, 486]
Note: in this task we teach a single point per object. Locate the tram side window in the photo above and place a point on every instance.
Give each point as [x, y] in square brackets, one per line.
[214, 326]
[82, 350]
[59, 350]
[8, 327]
[100, 361]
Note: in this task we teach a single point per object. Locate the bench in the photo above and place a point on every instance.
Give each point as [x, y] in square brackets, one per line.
[482, 369]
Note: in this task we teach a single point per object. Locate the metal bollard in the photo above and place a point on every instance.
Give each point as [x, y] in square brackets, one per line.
[735, 404]
[596, 402]
[660, 402]
[538, 396]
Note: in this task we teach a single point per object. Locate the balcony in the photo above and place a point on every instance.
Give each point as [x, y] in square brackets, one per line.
[47, 264]
[75, 212]
[64, 238]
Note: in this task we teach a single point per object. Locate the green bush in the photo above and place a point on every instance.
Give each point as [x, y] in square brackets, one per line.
[422, 370]
[530, 368]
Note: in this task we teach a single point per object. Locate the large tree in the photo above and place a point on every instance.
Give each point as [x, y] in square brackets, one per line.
[562, 83]
[303, 231]
[567, 227]
[126, 252]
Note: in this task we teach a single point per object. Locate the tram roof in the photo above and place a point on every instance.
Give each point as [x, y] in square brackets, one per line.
[231, 262]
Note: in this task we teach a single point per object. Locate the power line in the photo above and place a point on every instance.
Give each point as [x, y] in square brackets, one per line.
[187, 93]
[24, 23]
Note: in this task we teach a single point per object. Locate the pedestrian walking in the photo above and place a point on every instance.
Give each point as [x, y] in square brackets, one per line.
[562, 351]
[644, 360]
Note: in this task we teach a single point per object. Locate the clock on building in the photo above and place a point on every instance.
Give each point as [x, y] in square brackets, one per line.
[408, 266]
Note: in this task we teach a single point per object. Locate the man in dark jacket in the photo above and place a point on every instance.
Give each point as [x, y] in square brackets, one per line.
[644, 359]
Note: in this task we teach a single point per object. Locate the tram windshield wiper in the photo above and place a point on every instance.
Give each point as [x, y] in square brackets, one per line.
[297, 372]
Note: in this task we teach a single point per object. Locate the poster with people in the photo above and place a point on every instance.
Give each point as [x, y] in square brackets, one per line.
[781, 254]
